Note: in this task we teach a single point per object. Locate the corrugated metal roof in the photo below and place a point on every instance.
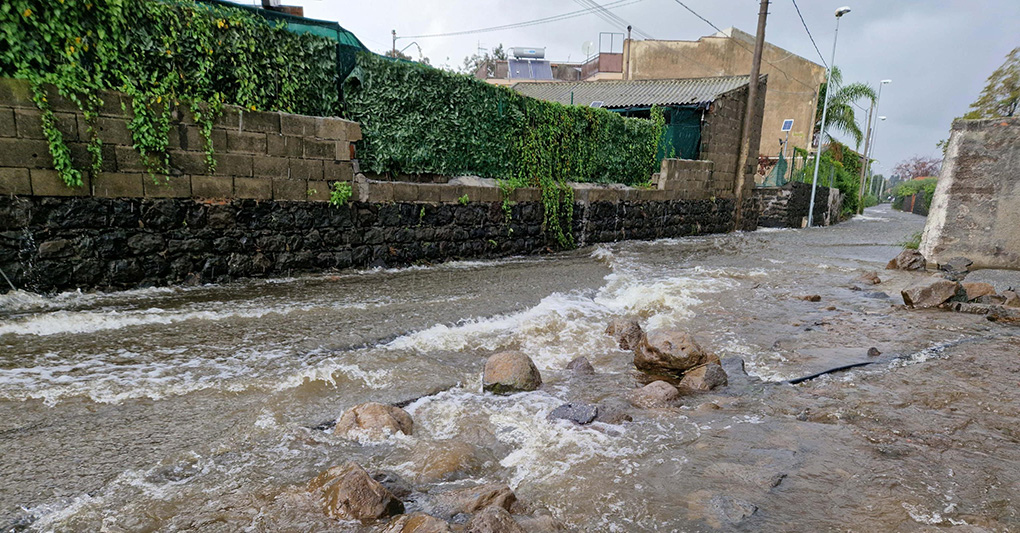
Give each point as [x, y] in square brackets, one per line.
[634, 93]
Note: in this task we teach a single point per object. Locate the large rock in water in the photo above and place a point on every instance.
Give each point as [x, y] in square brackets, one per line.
[908, 260]
[627, 332]
[581, 366]
[376, 419]
[578, 413]
[494, 520]
[349, 493]
[417, 523]
[447, 460]
[929, 292]
[508, 372]
[473, 499]
[670, 353]
[656, 394]
[705, 377]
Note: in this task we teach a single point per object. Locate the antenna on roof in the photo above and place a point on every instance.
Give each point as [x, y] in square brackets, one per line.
[588, 48]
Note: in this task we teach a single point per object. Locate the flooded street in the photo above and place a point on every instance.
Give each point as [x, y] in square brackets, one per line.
[202, 408]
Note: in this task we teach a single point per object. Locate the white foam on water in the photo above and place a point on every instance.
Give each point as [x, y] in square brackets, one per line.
[20, 300]
[542, 449]
[931, 518]
[448, 265]
[563, 326]
[106, 378]
[59, 322]
[329, 369]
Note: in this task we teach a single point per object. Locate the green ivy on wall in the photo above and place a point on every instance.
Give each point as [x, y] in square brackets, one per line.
[418, 119]
[161, 53]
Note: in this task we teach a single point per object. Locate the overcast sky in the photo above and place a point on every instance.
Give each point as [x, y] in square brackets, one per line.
[937, 52]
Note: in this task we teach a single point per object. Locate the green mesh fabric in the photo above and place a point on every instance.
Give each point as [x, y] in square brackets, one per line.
[348, 45]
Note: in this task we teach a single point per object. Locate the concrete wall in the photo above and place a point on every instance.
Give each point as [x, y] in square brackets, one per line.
[259, 155]
[793, 80]
[788, 206]
[975, 212]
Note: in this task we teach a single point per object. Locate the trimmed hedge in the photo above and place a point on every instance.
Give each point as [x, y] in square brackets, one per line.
[418, 119]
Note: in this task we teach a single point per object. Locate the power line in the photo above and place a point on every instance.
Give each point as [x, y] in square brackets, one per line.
[695, 13]
[545, 20]
[740, 44]
[612, 18]
[809, 33]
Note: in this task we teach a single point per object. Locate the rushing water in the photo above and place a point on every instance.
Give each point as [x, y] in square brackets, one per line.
[195, 408]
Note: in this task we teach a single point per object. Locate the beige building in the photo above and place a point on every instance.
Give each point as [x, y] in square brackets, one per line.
[793, 80]
[792, 86]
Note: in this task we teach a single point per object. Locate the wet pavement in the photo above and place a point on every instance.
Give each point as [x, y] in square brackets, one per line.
[194, 408]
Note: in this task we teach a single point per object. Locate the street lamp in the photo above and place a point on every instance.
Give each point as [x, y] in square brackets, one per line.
[874, 135]
[825, 107]
[869, 150]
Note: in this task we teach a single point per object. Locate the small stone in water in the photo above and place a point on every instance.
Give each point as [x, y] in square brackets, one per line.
[577, 413]
[873, 352]
[811, 298]
[581, 365]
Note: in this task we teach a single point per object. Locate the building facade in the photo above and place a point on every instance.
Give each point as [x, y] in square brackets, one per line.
[793, 80]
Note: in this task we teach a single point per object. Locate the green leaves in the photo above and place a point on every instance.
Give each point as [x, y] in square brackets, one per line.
[418, 119]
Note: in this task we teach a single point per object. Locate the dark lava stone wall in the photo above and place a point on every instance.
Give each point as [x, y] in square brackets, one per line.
[788, 206]
[60, 243]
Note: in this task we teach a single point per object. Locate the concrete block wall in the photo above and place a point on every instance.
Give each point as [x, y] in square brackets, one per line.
[975, 212]
[720, 140]
[689, 179]
[259, 155]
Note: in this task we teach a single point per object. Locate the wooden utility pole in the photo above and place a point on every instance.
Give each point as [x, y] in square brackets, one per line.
[394, 32]
[865, 161]
[745, 129]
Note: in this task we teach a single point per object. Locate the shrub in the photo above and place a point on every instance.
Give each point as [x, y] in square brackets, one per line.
[912, 187]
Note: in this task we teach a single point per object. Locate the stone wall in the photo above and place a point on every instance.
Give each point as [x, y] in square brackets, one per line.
[975, 212]
[59, 243]
[264, 211]
[788, 206]
[259, 155]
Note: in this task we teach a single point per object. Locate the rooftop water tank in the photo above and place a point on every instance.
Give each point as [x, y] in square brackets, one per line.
[521, 52]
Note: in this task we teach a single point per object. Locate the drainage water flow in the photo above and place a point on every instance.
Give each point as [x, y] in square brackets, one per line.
[203, 408]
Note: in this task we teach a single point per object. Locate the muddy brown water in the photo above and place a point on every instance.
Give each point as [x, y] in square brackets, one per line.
[193, 408]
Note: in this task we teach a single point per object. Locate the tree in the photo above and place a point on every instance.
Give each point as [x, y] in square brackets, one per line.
[917, 167]
[400, 55]
[840, 116]
[1001, 95]
[474, 63]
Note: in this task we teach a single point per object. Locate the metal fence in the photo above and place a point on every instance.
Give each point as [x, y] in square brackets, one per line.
[794, 168]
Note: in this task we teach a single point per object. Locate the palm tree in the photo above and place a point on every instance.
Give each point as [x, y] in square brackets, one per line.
[840, 116]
